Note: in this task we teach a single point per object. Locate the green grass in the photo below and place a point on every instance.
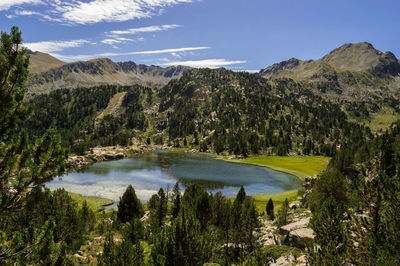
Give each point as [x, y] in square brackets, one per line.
[382, 119]
[275, 251]
[300, 166]
[261, 200]
[95, 203]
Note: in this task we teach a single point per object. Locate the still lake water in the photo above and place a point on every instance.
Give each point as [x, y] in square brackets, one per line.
[150, 171]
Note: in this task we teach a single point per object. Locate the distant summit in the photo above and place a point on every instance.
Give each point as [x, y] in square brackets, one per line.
[41, 62]
[49, 73]
[351, 56]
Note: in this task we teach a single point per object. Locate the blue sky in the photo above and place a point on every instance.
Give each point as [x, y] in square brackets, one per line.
[235, 34]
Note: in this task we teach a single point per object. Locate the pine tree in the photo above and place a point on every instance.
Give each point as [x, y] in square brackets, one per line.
[134, 231]
[270, 209]
[282, 217]
[24, 166]
[176, 200]
[86, 217]
[330, 234]
[129, 206]
[161, 207]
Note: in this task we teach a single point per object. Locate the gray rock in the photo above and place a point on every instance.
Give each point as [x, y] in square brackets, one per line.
[284, 260]
[286, 229]
[295, 205]
[300, 238]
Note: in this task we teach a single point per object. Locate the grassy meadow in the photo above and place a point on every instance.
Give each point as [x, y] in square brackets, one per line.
[95, 203]
[300, 166]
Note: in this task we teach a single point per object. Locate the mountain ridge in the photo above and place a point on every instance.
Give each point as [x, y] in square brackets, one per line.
[350, 56]
[94, 72]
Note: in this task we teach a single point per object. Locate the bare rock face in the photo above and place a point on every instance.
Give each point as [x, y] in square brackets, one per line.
[268, 235]
[297, 233]
[295, 205]
[286, 229]
[300, 238]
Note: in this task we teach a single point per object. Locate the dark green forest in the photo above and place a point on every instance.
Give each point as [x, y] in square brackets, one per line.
[209, 110]
[354, 203]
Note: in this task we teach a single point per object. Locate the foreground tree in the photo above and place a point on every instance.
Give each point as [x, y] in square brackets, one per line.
[329, 225]
[176, 200]
[129, 206]
[283, 213]
[270, 209]
[24, 166]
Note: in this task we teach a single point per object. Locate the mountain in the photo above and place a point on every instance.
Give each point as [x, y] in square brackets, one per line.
[94, 72]
[349, 57]
[364, 80]
[41, 62]
[206, 109]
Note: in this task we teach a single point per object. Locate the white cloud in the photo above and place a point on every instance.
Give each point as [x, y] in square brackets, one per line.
[143, 29]
[54, 46]
[176, 50]
[26, 13]
[87, 57]
[6, 4]
[112, 10]
[209, 63]
[249, 70]
[112, 41]
[94, 11]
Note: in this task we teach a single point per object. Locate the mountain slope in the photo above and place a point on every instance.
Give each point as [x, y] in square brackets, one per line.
[101, 71]
[206, 109]
[41, 62]
[359, 77]
[349, 57]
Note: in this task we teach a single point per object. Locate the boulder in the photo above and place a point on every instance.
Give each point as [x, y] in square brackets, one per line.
[267, 233]
[302, 260]
[286, 229]
[300, 238]
[295, 205]
[114, 156]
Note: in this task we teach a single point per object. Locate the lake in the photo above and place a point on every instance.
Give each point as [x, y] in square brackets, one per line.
[150, 171]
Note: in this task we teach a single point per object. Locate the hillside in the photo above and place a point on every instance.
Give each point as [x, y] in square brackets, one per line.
[208, 110]
[294, 107]
[96, 72]
[359, 77]
[42, 62]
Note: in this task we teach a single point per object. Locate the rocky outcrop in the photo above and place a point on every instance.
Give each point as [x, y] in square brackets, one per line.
[268, 233]
[284, 260]
[99, 154]
[295, 205]
[300, 238]
[297, 234]
[286, 229]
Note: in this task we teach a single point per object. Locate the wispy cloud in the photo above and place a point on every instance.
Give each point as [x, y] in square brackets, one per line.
[6, 4]
[249, 70]
[175, 50]
[87, 57]
[93, 11]
[143, 29]
[54, 46]
[116, 40]
[209, 63]
[26, 13]
[112, 10]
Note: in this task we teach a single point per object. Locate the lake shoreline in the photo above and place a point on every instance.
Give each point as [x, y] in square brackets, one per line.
[115, 153]
[239, 159]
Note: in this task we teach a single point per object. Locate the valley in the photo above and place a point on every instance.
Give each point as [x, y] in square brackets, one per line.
[118, 163]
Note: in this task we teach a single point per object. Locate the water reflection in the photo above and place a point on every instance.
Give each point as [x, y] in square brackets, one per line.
[153, 170]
